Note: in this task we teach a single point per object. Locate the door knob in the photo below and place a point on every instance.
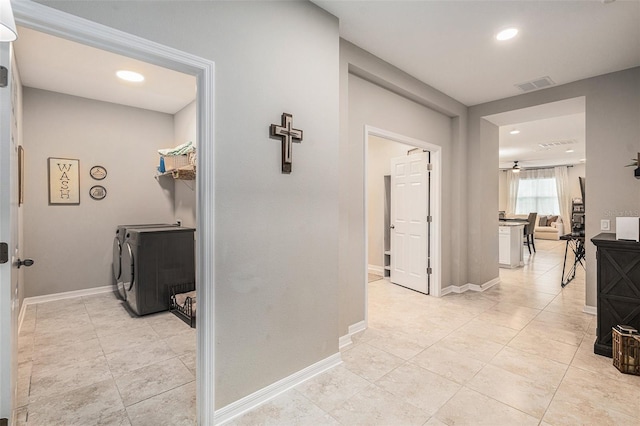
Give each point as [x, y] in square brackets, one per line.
[392, 227]
[26, 262]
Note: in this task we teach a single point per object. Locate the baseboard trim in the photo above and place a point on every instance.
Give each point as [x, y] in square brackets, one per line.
[375, 269]
[591, 310]
[357, 327]
[266, 394]
[65, 295]
[346, 340]
[469, 286]
[21, 314]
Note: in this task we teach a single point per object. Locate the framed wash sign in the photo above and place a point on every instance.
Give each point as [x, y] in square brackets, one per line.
[64, 181]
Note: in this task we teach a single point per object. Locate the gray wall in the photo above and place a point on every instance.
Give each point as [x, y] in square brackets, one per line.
[375, 93]
[185, 130]
[276, 235]
[612, 129]
[71, 245]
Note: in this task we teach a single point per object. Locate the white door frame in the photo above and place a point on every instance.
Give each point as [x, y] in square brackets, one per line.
[434, 203]
[9, 236]
[71, 27]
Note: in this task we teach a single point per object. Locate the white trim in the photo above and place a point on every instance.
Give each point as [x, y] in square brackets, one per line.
[469, 286]
[266, 394]
[435, 204]
[357, 328]
[66, 295]
[347, 340]
[591, 310]
[375, 269]
[51, 21]
[23, 312]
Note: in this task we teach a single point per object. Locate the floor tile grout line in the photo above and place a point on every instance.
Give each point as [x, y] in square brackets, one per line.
[158, 394]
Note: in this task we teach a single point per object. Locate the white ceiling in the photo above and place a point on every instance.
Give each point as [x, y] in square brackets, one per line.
[59, 65]
[559, 124]
[450, 45]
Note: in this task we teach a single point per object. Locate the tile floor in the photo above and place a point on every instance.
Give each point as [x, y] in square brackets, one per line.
[86, 361]
[520, 353]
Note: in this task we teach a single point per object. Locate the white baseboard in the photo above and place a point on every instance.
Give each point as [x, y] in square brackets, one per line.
[346, 340]
[66, 295]
[375, 269]
[591, 310]
[266, 394]
[23, 310]
[357, 327]
[469, 286]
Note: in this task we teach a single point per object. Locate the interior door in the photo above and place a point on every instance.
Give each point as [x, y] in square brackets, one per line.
[9, 236]
[409, 221]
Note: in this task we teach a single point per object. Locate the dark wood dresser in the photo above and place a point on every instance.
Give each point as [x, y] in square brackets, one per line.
[618, 287]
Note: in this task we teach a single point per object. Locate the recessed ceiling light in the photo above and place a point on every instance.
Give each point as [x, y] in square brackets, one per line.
[514, 132]
[507, 34]
[569, 151]
[130, 76]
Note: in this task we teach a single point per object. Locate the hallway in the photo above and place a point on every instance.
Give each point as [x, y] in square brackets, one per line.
[519, 353]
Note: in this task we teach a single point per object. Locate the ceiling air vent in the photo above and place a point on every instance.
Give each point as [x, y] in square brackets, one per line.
[554, 144]
[538, 83]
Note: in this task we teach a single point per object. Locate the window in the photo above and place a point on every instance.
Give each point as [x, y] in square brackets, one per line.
[537, 192]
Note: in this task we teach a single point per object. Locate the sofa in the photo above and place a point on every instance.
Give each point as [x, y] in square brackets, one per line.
[547, 228]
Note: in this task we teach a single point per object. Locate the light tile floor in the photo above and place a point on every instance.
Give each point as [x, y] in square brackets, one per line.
[86, 361]
[521, 353]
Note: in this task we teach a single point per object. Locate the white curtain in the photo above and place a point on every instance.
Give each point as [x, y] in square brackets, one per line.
[537, 192]
[564, 195]
[512, 185]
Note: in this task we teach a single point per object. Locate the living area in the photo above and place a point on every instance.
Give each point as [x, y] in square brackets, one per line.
[541, 162]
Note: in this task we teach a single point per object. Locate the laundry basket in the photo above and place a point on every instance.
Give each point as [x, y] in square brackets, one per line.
[183, 303]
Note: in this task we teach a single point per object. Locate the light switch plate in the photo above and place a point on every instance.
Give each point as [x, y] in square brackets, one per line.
[605, 225]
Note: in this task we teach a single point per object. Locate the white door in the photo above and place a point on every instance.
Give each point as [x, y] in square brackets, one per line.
[9, 236]
[409, 221]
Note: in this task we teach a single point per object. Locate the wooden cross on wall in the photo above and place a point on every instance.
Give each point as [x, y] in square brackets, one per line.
[287, 134]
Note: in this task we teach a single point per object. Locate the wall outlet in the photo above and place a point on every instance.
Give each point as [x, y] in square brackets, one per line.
[605, 225]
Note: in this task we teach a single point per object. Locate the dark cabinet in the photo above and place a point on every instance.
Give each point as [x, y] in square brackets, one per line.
[618, 287]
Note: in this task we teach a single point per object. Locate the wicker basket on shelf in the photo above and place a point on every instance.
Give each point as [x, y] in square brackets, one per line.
[184, 173]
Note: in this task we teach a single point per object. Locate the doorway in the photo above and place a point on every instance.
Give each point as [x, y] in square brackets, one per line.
[547, 142]
[378, 255]
[57, 23]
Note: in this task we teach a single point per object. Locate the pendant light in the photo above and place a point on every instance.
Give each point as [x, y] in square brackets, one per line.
[8, 30]
[515, 168]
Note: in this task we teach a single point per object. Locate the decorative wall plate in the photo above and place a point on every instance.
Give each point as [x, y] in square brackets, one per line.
[98, 172]
[98, 192]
